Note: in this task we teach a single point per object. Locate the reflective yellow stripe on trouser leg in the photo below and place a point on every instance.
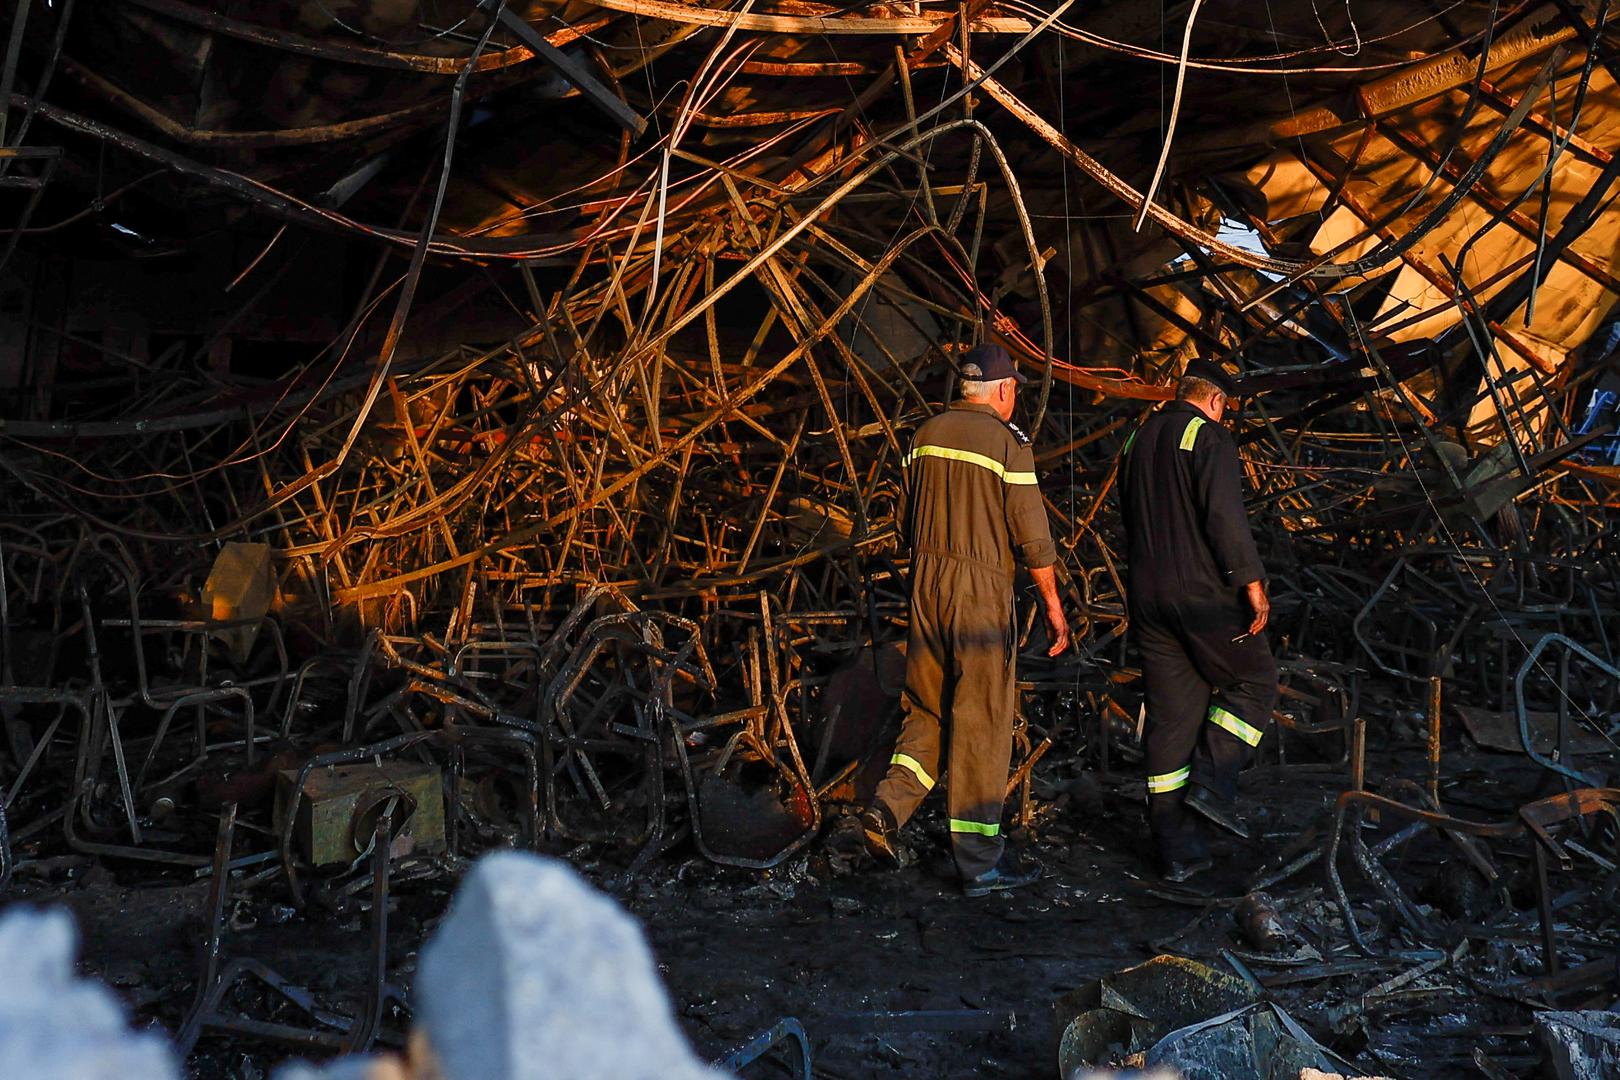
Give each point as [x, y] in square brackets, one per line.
[960, 826]
[1164, 783]
[1236, 725]
[914, 767]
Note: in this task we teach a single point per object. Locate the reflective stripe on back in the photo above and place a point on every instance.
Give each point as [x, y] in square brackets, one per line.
[1190, 436]
[979, 827]
[983, 461]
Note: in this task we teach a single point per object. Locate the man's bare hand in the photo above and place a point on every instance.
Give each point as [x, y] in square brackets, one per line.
[1261, 606]
[1059, 627]
[1052, 604]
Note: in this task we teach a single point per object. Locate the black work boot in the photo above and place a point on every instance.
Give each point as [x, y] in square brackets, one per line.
[1009, 873]
[881, 834]
[845, 837]
[1209, 806]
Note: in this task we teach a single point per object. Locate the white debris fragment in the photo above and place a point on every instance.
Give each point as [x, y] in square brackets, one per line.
[56, 1026]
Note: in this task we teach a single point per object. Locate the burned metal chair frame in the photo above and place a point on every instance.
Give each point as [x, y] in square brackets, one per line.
[764, 725]
[1536, 818]
[1423, 603]
[1557, 763]
[338, 1033]
[43, 687]
[104, 731]
[1327, 681]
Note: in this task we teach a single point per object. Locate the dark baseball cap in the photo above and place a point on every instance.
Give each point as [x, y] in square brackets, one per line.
[989, 363]
[1211, 372]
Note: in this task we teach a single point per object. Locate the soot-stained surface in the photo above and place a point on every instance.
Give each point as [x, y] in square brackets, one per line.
[827, 943]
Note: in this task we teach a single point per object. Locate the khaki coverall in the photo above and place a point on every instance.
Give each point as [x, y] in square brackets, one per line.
[969, 503]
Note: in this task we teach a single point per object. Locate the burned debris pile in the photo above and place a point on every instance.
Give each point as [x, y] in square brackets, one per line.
[497, 442]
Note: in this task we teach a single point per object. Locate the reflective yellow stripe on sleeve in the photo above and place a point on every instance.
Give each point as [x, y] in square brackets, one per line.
[1164, 783]
[979, 827]
[1236, 725]
[950, 453]
[910, 764]
[1190, 436]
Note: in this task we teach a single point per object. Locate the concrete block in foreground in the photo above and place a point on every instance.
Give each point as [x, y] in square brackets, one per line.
[56, 1026]
[534, 974]
[1581, 1045]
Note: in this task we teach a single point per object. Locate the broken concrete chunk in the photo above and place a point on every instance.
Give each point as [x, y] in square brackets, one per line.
[1127, 1011]
[1260, 1041]
[1581, 1045]
[356, 1068]
[534, 974]
[55, 1026]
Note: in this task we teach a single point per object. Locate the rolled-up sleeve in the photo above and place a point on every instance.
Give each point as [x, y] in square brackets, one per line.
[1218, 483]
[1030, 532]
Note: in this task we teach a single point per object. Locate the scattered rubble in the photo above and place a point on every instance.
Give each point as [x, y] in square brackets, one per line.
[1581, 1045]
[432, 432]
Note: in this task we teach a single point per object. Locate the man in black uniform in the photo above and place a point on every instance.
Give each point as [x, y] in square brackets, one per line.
[969, 505]
[1198, 607]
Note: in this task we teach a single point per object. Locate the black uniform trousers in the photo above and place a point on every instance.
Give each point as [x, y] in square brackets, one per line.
[959, 701]
[1211, 686]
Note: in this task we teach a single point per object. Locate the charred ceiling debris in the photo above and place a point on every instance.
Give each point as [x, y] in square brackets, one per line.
[437, 425]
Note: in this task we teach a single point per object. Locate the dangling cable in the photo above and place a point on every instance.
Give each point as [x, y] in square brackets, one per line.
[1175, 113]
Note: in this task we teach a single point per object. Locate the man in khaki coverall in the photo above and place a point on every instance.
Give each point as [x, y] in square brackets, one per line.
[969, 505]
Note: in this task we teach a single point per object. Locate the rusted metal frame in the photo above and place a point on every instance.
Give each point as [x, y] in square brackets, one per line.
[571, 69]
[287, 41]
[624, 481]
[903, 69]
[1486, 351]
[1343, 182]
[830, 24]
[1223, 289]
[828, 234]
[666, 541]
[1574, 224]
[313, 134]
[1504, 103]
[50, 157]
[681, 293]
[770, 495]
[534, 248]
[854, 365]
[1119, 187]
[1591, 35]
[1435, 277]
[64, 17]
[784, 288]
[8, 69]
[408, 427]
[1495, 203]
[1165, 311]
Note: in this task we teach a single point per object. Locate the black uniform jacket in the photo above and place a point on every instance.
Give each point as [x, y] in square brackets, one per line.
[968, 492]
[1182, 499]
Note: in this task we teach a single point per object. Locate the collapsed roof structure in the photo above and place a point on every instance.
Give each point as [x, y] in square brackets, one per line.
[543, 371]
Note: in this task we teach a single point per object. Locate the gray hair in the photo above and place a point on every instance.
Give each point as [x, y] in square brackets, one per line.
[980, 389]
[1192, 388]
